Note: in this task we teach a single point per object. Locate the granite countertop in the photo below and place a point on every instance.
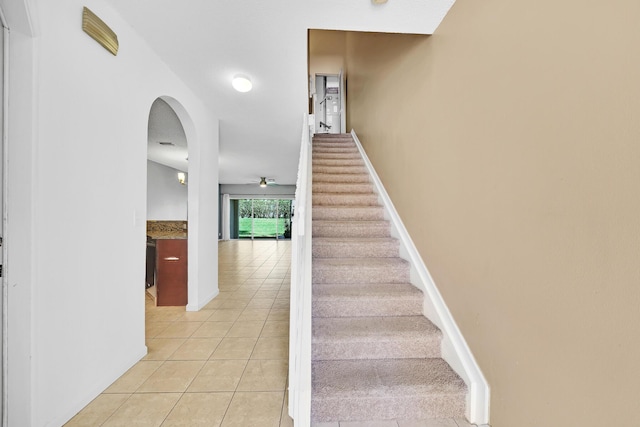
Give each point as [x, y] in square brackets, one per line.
[167, 229]
[164, 236]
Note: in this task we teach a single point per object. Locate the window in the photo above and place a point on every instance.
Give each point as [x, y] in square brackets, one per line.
[261, 218]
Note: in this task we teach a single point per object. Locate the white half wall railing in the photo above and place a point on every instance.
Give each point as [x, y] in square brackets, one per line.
[300, 304]
[454, 347]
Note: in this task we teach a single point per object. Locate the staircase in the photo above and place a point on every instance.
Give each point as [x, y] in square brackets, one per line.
[374, 355]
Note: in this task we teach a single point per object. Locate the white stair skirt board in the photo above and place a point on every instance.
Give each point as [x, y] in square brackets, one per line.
[454, 348]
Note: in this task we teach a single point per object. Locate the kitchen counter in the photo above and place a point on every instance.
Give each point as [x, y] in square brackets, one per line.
[167, 229]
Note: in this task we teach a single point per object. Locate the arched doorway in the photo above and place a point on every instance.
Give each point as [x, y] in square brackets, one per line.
[167, 207]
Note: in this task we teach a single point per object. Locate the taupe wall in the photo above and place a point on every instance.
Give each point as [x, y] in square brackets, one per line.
[509, 141]
[326, 52]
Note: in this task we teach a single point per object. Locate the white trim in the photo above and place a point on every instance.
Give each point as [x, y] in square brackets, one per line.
[300, 310]
[4, 389]
[202, 302]
[454, 347]
[226, 220]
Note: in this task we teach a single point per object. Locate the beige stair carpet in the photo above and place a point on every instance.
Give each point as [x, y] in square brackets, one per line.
[374, 355]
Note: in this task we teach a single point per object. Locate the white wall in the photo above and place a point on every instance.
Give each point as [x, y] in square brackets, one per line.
[255, 191]
[166, 197]
[78, 143]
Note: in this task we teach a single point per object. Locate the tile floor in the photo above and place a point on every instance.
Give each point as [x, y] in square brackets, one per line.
[225, 365]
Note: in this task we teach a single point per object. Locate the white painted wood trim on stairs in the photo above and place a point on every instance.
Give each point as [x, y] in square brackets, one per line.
[455, 350]
[300, 300]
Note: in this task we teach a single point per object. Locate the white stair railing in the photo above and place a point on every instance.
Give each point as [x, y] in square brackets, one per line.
[300, 304]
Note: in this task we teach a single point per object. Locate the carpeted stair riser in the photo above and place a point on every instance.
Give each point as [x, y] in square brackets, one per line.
[359, 213]
[342, 247]
[342, 170]
[337, 162]
[321, 155]
[335, 152]
[333, 148]
[355, 178]
[386, 389]
[340, 199]
[341, 140]
[358, 270]
[366, 300]
[374, 229]
[339, 187]
[390, 337]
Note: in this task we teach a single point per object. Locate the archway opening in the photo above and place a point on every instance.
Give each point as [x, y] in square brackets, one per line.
[166, 278]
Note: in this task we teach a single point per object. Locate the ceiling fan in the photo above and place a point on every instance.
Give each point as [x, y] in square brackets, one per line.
[264, 182]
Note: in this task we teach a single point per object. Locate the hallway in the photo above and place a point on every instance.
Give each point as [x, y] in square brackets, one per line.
[225, 365]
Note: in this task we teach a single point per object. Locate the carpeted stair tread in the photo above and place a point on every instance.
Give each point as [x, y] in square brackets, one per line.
[342, 170]
[368, 291]
[345, 213]
[319, 142]
[347, 390]
[360, 270]
[385, 328]
[369, 299]
[355, 247]
[337, 162]
[341, 199]
[335, 150]
[388, 337]
[318, 155]
[331, 145]
[340, 178]
[341, 187]
[328, 228]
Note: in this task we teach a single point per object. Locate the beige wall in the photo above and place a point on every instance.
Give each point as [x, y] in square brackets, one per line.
[326, 51]
[509, 141]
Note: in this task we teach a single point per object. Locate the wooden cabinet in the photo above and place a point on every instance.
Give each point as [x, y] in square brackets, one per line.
[171, 272]
[151, 263]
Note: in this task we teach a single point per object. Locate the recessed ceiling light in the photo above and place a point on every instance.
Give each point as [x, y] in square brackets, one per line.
[241, 83]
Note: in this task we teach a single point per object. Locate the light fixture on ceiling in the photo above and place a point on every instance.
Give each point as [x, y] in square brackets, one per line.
[263, 182]
[182, 178]
[378, 1]
[241, 83]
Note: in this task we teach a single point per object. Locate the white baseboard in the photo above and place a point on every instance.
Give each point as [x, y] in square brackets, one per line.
[203, 302]
[98, 389]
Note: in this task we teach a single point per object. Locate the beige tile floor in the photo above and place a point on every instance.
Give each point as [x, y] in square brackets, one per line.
[225, 365]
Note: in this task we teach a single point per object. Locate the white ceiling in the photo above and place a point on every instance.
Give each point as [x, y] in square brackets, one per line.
[207, 42]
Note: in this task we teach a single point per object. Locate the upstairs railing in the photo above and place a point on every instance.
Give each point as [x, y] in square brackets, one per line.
[300, 315]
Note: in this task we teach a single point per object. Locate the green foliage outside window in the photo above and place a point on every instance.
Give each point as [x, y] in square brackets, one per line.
[271, 218]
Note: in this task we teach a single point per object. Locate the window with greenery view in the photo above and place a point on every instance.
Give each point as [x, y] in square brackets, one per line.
[264, 218]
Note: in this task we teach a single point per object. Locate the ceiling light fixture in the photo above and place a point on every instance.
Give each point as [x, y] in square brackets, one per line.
[263, 182]
[378, 1]
[181, 178]
[241, 83]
